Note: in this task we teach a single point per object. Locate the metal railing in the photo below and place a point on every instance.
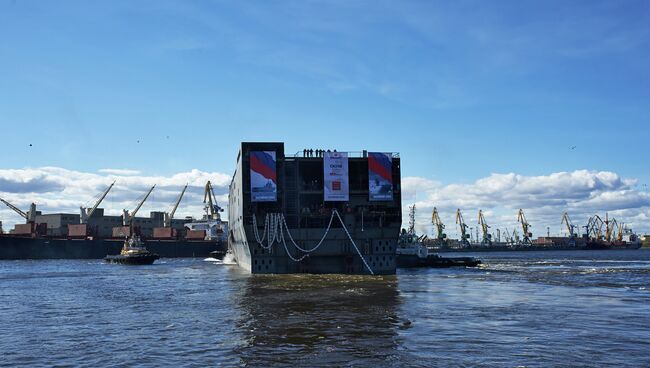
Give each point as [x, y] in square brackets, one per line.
[351, 154]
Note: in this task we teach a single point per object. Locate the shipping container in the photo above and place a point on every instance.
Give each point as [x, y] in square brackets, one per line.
[78, 230]
[121, 232]
[195, 234]
[24, 229]
[164, 233]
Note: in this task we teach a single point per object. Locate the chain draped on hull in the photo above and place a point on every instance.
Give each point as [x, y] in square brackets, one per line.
[275, 225]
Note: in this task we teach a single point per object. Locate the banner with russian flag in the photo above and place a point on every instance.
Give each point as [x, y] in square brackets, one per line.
[380, 176]
[337, 185]
[264, 184]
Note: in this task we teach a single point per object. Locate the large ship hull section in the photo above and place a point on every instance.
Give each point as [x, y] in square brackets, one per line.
[42, 248]
[367, 247]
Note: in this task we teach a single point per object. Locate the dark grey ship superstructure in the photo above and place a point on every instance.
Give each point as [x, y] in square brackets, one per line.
[329, 212]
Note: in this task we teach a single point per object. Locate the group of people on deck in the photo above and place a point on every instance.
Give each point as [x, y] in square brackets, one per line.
[314, 152]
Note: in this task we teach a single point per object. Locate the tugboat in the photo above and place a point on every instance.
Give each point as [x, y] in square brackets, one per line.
[133, 253]
[412, 252]
[218, 254]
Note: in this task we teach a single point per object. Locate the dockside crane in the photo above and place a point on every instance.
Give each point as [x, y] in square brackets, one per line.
[440, 227]
[487, 237]
[463, 228]
[595, 228]
[619, 235]
[85, 213]
[569, 225]
[411, 229]
[212, 209]
[127, 218]
[507, 236]
[169, 216]
[515, 237]
[525, 227]
[29, 216]
[610, 228]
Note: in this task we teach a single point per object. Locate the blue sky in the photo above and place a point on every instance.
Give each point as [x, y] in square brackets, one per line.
[461, 89]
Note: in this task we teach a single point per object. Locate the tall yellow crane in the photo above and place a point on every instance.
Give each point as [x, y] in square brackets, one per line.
[525, 227]
[487, 237]
[463, 228]
[611, 226]
[440, 227]
[619, 235]
[569, 225]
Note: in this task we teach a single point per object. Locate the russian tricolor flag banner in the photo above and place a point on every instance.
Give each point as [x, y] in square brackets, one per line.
[264, 184]
[380, 176]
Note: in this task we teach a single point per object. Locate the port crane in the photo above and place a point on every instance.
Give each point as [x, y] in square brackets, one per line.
[525, 227]
[463, 227]
[594, 228]
[29, 216]
[515, 237]
[85, 213]
[507, 236]
[610, 228]
[569, 225]
[487, 237]
[169, 216]
[127, 218]
[440, 227]
[621, 228]
[411, 229]
[212, 209]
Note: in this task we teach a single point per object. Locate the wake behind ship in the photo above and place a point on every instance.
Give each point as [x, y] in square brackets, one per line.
[319, 212]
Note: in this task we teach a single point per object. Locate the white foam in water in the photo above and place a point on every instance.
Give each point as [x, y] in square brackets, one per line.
[229, 259]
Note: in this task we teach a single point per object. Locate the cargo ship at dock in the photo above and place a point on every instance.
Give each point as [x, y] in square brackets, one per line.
[93, 235]
[315, 212]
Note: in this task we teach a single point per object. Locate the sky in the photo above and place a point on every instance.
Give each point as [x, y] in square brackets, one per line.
[494, 105]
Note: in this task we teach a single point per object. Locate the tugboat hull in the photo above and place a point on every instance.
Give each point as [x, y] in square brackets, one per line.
[435, 261]
[218, 254]
[140, 259]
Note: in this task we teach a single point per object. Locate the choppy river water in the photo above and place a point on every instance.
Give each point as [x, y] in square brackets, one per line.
[533, 309]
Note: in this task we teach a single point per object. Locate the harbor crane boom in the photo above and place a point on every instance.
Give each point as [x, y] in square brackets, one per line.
[611, 228]
[440, 227]
[619, 236]
[594, 228]
[463, 227]
[487, 237]
[569, 225]
[87, 212]
[411, 230]
[28, 216]
[168, 217]
[127, 217]
[525, 227]
[212, 208]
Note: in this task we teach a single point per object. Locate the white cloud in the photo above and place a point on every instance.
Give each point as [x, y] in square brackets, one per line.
[544, 199]
[123, 172]
[55, 189]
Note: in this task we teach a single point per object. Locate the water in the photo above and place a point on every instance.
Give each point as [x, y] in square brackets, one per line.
[533, 309]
